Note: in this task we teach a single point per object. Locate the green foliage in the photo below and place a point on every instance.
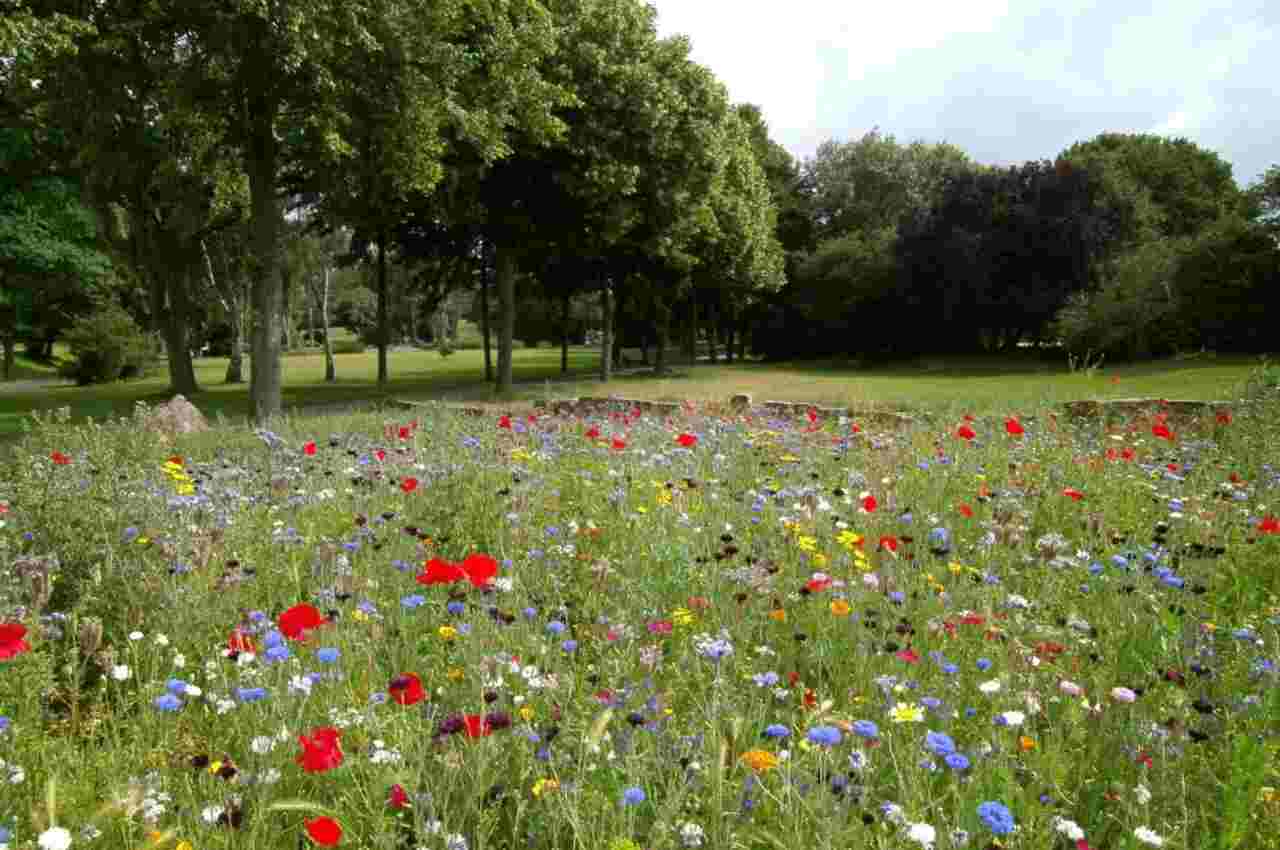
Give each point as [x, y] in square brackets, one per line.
[1187, 186]
[1229, 284]
[106, 345]
[1136, 313]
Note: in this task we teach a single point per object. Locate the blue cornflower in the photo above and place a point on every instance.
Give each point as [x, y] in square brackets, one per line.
[455, 607]
[931, 703]
[5, 835]
[897, 596]
[866, 729]
[377, 698]
[273, 638]
[1096, 568]
[1175, 505]
[940, 541]
[957, 761]
[529, 613]
[633, 796]
[129, 535]
[569, 645]
[413, 600]
[176, 687]
[1244, 634]
[776, 730]
[939, 744]
[257, 616]
[251, 694]
[827, 736]
[401, 565]
[556, 627]
[328, 654]
[167, 702]
[765, 680]
[1120, 561]
[984, 664]
[277, 653]
[997, 817]
[950, 669]
[4, 724]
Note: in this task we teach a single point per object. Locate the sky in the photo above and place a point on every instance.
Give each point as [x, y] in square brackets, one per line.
[1006, 81]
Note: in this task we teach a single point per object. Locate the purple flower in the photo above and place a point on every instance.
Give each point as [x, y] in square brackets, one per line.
[826, 736]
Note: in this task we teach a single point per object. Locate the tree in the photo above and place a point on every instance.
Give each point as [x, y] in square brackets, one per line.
[1188, 186]
[1264, 196]
[47, 245]
[276, 76]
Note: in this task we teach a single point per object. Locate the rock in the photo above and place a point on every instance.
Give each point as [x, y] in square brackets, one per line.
[741, 401]
[176, 416]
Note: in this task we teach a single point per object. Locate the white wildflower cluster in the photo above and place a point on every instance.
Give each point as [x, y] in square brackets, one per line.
[691, 835]
[12, 774]
[343, 718]
[380, 753]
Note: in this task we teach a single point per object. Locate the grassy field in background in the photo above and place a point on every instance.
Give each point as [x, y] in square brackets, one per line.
[979, 385]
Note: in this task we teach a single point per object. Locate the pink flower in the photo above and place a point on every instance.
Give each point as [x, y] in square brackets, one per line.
[1071, 689]
[1123, 695]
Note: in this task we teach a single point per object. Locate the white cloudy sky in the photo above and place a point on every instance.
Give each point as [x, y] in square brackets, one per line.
[1007, 81]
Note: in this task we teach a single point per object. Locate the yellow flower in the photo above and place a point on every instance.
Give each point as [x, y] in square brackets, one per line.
[642, 510]
[359, 616]
[456, 674]
[806, 544]
[682, 617]
[819, 559]
[184, 845]
[759, 760]
[170, 466]
[956, 568]
[1268, 794]
[185, 489]
[526, 713]
[663, 497]
[906, 712]
[788, 459]
[447, 632]
[849, 539]
[545, 785]
[840, 607]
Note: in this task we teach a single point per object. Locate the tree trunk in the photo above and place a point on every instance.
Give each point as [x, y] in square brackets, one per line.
[264, 373]
[713, 335]
[617, 329]
[384, 321]
[606, 332]
[330, 368]
[235, 365]
[692, 350]
[484, 309]
[506, 270]
[286, 324]
[564, 335]
[182, 373]
[728, 336]
[662, 325]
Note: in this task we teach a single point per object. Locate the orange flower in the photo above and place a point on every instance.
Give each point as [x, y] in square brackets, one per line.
[759, 760]
[840, 607]
[778, 615]
[1026, 744]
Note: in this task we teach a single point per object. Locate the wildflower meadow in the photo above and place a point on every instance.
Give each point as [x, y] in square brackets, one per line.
[630, 632]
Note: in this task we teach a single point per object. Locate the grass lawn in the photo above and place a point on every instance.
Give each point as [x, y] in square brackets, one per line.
[979, 385]
[413, 374]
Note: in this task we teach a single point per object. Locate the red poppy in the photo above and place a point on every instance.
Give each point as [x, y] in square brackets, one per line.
[397, 798]
[59, 458]
[1224, 417]
[175, 459]
[476, 726]
[321, 751]
[619, 444]
[908, 655]
[11, 640]
[688, 441]
[440, 572]
[1172, 467]
[1112, 454]
[855, 428]
[592, 433]
[309, 448]
[504, 421]
[406, 689]
[1235, 478]
[1269, 525]
[816, 585]
[964, 432]
[869, 504]
[298, 620]
[965, 510]
[405, 432]
[1013, 426]
[1162, 431]
[408, 485]
[1072, 493]
[812, 414]
[324, 831]
[1127, 454]
[380, 454]
[479, 569]
[973, 619]
[240, 641]
[888, 542]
